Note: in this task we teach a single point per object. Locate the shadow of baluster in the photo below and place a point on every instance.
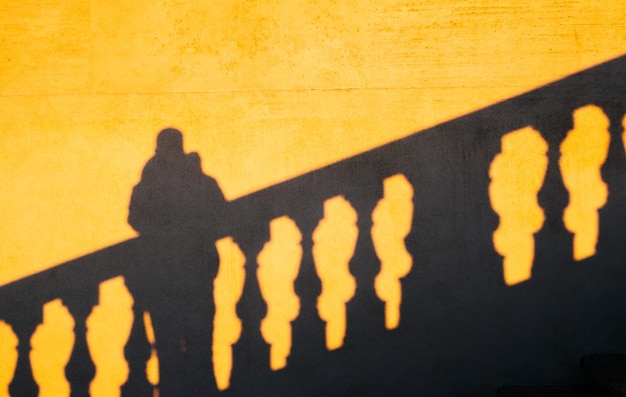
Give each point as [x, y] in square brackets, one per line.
[251, 354]
[553, 243]
[141, 278]
[81, 370]
[308, 329]
[365, 311]
[137, 352]
[610, 248]
[24, 326]
[613, 214]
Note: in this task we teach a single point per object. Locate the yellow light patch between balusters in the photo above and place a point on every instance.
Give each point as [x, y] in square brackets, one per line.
[152, 366]
[227, 291]
[8, 352]
[624, 133]
[108, 330]
[52, 345]
[392, 219]
[583, 152]
[279, 263]
[334, 242]
[517, 174]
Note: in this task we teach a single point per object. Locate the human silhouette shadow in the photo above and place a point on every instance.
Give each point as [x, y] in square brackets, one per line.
[176, 196]
[173, 189]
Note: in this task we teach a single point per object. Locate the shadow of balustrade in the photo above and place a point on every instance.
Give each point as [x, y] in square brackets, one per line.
[458, 325]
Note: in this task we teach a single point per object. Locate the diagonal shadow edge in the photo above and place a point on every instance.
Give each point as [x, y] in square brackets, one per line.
[458, 270]
[603, 83]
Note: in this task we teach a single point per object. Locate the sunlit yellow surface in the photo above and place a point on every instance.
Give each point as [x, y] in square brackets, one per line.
[52, 345]
[108, 330]
[583, 152]
[517, 174]
[334, 242]
[392, 218]
[227, 290]
[279, 263]
[8, 352]
[264, 90]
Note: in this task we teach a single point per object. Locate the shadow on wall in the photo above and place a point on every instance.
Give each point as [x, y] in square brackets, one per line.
[173, 189]
[481, 252]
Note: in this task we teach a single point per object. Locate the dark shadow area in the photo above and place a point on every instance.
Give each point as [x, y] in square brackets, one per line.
[462, 330]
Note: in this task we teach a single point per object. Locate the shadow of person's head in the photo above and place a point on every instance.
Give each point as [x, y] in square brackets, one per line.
[170, 143]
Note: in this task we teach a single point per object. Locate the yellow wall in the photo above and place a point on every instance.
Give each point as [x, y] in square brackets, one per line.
[264, 90]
